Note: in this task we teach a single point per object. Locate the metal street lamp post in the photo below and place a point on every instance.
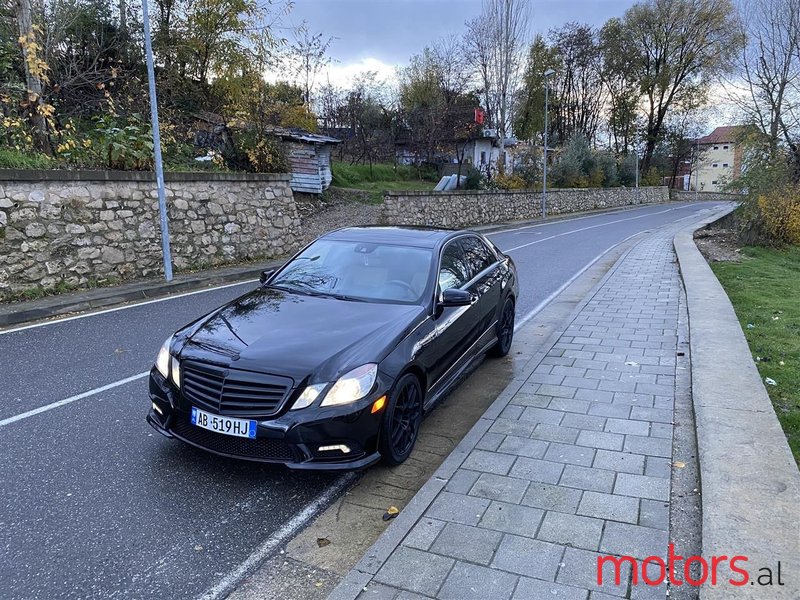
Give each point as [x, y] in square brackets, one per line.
[547, 75]
[637, 175]
[162, 203]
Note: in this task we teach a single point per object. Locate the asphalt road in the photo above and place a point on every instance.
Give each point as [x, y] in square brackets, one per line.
[95, 504]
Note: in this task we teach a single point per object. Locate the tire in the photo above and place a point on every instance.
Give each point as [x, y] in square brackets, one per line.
[505, 331]
[401, 421]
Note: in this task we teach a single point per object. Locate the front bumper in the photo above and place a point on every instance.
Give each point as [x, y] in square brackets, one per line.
[292, 438]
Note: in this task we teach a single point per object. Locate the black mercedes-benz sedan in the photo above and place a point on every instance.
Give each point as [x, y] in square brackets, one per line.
[332, 362]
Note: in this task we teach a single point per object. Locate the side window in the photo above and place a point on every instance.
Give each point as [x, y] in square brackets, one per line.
[477, 255]
[453, 271]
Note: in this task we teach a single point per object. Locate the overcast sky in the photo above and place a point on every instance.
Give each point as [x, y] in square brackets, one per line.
[379, 35]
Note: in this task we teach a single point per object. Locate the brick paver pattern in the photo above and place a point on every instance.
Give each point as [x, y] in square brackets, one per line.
[578, 463]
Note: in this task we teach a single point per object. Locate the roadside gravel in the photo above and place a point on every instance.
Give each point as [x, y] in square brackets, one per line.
[338, 208]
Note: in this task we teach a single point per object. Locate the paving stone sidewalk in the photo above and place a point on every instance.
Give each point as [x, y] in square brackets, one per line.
[576, 465]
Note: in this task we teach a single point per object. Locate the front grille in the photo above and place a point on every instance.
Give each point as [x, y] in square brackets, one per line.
[259, 448]
[233, 392]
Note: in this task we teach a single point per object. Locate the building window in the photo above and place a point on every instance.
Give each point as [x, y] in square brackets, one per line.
[724, 147]
[713, 183]
[716, 147]
[724, 164]
[483, 158]
[715, 165]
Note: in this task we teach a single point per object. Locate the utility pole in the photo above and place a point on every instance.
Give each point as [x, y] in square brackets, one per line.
[637, 175]
[547, 75]
[162, 203]
[697, 176]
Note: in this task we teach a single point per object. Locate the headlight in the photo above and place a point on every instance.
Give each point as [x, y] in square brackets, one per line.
[308, 396]
[162, 361]
[176, 373]
[352, 386]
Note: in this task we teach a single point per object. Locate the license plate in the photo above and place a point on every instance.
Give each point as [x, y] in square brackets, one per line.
[225, 425]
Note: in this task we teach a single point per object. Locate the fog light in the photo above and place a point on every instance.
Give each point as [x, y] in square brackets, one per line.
[341, 447]
[378, 404]
[157, 409]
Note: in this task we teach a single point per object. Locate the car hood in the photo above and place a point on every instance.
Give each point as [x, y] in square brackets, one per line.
[300, 336]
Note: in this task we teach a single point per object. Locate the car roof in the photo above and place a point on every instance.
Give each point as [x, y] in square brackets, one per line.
[421, 237]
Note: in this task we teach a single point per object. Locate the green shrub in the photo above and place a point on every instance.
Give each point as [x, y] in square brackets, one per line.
[267, 155]
[475, 179]
[580, 165]
[779, 216]
[528, 165]
[18, 159]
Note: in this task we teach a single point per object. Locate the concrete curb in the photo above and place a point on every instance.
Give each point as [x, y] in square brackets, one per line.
[750, 483]
[355, 581]
[52, 306]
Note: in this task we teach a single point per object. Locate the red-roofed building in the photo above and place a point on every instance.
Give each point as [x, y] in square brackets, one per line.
[720, 158]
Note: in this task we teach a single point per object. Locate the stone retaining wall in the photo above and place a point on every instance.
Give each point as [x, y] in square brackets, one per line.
[690, 196]
[71, 228]
[466, 208]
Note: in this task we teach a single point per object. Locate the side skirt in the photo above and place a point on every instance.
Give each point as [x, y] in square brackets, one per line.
[473, 354]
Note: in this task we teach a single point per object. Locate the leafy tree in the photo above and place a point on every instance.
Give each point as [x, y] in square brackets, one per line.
[623, 87]
[677, 48]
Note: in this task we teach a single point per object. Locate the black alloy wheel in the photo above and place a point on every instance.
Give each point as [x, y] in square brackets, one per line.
[505, 331]
[401, 420]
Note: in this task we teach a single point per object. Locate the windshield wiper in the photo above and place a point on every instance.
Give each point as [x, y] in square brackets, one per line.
[317, 293]
[296, 290]
[344, 297]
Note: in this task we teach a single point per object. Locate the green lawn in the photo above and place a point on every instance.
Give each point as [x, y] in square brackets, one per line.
[765, 291]
[382, 177]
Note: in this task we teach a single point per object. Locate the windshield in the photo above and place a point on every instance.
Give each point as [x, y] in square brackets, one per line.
[358, 271]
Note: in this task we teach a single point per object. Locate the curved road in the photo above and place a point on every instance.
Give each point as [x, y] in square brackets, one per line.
[95, 504]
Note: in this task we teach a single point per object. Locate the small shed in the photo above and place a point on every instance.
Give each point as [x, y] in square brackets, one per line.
[309, 157]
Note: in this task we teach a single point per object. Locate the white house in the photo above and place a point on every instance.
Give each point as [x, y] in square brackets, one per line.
[484, 151]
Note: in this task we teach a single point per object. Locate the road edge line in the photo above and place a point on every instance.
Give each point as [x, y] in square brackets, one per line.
[268, 547]
[71, 399]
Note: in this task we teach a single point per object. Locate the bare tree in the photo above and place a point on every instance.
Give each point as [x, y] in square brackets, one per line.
[308, 56]
[499, 40]
[766, 86]
[579, 91]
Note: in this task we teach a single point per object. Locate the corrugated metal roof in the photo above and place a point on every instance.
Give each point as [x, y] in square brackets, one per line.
[301, 135]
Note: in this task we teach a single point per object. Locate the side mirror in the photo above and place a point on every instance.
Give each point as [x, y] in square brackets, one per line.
[456, 297]
[266, 275]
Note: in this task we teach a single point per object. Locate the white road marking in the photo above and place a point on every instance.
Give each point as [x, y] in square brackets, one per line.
[71, 399]
[594, 216]
[563, 233]
[532, 313]
[232, 579]
[127, 306]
